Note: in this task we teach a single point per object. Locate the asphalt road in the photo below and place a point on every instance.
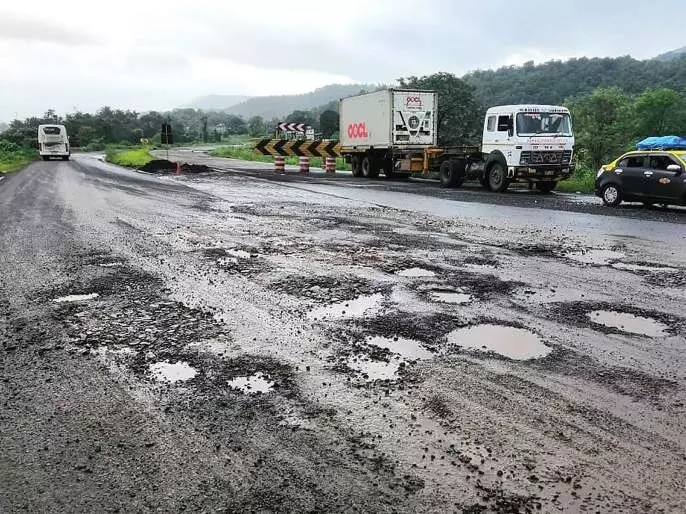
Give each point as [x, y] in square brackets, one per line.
[244, 342]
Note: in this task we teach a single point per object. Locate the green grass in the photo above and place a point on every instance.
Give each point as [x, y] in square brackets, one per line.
[15, 160]
[582, 181]
[129, 158]
[246, 153]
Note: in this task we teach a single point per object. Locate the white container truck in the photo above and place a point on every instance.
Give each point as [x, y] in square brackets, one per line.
[384, 129]
[395, 131]
[53, 142]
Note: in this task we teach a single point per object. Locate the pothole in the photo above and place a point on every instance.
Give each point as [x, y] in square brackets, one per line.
[629, 323]
[76, 298]
[406, 348]
[453, 297]
[375, 370]
[172, 373]
[513, 343]
[596, 257]
[415, 273]
[362, 306]
[254, 384]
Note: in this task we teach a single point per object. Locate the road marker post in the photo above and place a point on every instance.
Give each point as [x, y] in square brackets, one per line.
[279, 164]
[330, 165]
[304, 164]
[178, 168]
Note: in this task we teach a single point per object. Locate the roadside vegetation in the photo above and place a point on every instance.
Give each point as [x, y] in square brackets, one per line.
[247, 153]
[129, 158]
[14, 157]
[582, 181]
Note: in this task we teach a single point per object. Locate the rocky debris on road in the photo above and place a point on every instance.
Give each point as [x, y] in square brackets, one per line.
[163, 166]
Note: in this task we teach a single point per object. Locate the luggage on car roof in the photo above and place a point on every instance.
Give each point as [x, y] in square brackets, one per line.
[663, 143]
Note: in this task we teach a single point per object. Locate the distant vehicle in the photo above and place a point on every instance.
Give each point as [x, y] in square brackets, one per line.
[395, 131]
[648, 176]
[53, 142]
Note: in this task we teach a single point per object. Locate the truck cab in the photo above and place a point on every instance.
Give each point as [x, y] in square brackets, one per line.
[527, 143]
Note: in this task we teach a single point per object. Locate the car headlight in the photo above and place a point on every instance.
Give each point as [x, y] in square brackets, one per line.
[600, 172]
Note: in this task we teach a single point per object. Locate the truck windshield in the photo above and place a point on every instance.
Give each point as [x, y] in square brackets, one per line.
[536, 123]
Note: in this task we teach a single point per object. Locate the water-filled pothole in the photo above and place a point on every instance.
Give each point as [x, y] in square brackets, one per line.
[375, 370]
[362, 306]
[254, 384]
[239, 254]
[642, 267]
[406, 348]
[176, 372]
[415, 273]
[76, 298]
[629, 323]
[597, 257]
[513, 343]
[453, 297]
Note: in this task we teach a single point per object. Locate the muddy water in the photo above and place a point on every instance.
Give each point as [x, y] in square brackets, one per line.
[362, 306]
[415, 273]
[76, 298]
[406, 348]
[513, 343]
[597, 257]
[375, 370]
[629, 323]
[257, 383]
[177, 372]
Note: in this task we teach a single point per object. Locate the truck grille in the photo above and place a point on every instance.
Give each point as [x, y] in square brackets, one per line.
[560, 157]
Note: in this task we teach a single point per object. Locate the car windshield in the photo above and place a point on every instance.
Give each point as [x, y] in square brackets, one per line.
[51, 130]
[682, 156]
[535, 123]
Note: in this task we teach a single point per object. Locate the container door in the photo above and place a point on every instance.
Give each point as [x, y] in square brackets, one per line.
[413, 118]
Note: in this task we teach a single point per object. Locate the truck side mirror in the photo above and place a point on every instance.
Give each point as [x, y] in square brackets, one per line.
[510, 126]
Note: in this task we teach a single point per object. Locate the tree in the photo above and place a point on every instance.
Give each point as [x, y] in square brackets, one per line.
[328, 123]
[459, 116]
[256, 126]
[603, 124]
[657, 112]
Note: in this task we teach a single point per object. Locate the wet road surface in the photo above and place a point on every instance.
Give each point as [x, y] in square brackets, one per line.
[240, 342]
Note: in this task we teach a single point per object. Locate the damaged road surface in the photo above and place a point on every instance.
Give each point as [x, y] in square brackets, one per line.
[225, 343]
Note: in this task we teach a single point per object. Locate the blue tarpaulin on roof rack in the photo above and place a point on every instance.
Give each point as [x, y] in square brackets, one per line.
[663, 143]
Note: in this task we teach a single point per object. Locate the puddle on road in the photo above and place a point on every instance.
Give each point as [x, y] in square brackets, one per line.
[110, 264]
[453, 297]
[172, 373]
[257, 383]
[406, 348]
[375, 370]
[629, 323]
[597, 257]
[513, 343]
[415, 273]
[239, 254]
[362, 306]
[641, 267]
[76, 298]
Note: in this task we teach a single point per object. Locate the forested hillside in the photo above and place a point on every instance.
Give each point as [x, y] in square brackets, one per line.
[555, 81]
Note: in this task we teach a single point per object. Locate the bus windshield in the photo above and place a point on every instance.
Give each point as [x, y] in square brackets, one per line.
[543, 123]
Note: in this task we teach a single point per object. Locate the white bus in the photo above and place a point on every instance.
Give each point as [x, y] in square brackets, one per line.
[53, 142]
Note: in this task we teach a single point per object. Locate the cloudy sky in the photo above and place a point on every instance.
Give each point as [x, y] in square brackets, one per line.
[73, 54]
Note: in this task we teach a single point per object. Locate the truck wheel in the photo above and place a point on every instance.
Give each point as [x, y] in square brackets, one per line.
[497, 178]
[545, 187]
[452, 173]
[370, 167]
[45, 157]
[356, 165]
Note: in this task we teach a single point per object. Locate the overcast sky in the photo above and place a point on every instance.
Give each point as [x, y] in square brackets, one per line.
[72, 54]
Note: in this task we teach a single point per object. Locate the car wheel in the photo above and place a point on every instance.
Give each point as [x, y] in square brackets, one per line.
[356, 165]
[497, 177]
[611, 195]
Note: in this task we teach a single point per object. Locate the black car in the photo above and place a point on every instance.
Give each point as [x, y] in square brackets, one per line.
[651, 177]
